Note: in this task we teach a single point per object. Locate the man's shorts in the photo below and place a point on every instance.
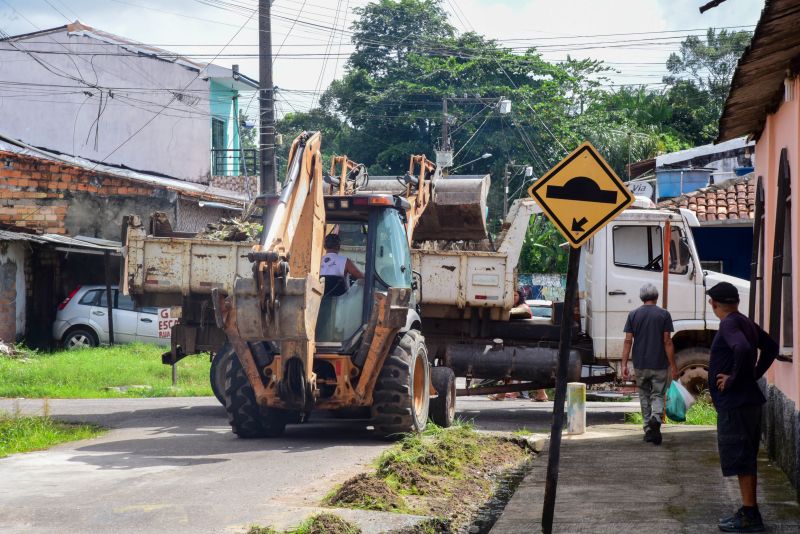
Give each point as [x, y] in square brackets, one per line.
[738, 438]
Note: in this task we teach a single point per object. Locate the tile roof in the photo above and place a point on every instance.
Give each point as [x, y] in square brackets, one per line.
[733, 200]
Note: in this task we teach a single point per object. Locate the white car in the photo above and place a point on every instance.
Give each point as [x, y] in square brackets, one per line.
[82, 320]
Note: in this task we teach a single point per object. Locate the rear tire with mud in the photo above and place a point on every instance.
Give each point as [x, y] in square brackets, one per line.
[247, 419]
[443, 407]
[402, 392]
[692, 364]
[219, 370]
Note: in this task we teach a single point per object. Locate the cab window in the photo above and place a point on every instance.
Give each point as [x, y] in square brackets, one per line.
[638, 247]
[392, 256]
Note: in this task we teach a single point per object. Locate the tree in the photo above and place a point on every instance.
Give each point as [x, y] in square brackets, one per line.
[700, 78]
[542, 251]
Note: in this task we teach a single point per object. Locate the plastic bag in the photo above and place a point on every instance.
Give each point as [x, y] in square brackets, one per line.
[688, 398]
[676, 406]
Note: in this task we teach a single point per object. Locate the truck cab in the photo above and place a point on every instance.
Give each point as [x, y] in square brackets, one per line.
[627, 254]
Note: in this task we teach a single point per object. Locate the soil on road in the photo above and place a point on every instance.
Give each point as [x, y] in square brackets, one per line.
[172, 465]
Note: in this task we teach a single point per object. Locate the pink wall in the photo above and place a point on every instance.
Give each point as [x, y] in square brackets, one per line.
[782, 130]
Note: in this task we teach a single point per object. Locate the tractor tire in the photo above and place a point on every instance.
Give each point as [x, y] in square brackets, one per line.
[443, 407]
[402, 392]
[219, 370]
[248, 420]
[692, 364]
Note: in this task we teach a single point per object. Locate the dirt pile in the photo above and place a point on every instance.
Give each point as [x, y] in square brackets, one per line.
[445, 474]
[232, 230]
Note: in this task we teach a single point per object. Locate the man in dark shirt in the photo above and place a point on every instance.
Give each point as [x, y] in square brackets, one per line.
[733, 374]
[648, 330]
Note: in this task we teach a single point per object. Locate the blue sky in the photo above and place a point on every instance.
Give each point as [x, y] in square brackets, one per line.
[193, 27]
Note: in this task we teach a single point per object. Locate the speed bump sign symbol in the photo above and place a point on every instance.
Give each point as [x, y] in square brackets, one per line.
[581, 194]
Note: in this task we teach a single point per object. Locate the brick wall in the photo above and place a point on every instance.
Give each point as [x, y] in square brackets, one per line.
[37, 193]
[236, 183]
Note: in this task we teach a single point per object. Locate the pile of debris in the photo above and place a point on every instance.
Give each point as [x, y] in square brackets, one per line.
[232, 230]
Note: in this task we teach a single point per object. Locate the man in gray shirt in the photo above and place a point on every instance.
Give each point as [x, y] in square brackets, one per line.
[648, 330]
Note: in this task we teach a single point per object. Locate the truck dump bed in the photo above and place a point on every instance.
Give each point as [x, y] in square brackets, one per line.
[180, 266]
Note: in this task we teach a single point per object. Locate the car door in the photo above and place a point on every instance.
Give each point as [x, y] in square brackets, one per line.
[147, 326]
[125, 317]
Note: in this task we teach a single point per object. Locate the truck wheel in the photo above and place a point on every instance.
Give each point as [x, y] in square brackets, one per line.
[443, 407]
[219, 369]
[246, 417]
[402, 393]
[692, 366]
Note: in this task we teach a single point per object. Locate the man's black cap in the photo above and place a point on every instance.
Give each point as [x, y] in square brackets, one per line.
[724, 293]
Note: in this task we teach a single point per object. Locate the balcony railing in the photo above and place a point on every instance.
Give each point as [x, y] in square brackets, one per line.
[230, 162]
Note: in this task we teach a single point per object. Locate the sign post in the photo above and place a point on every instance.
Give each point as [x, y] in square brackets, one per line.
[580, 196]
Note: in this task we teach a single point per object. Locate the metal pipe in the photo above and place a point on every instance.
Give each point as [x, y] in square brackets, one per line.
[109, 302]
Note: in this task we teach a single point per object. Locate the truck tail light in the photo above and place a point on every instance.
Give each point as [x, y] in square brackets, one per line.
[69, 297]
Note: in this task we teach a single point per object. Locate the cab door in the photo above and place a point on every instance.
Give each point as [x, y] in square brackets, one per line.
[637, 259]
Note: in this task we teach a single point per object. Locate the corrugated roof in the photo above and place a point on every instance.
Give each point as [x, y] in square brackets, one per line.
[757, 86]
[733, 200]
[61, 240]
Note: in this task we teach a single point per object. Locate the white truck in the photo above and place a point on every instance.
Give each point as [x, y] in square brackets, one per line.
[465, 298]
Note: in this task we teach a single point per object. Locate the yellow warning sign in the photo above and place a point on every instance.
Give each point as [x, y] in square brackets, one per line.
[581, 194]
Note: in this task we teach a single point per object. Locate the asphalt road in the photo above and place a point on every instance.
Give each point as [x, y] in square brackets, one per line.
[172, 465]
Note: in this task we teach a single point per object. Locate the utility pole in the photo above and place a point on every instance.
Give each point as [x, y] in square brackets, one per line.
[445, 133]
[266, 103]
[506, 173]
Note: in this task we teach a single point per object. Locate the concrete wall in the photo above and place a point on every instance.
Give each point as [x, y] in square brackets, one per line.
[781, 430]
[782, 130]
[12, 290]
[52, 110]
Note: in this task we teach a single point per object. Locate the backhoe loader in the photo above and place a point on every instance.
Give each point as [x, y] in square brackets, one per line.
[299, 346]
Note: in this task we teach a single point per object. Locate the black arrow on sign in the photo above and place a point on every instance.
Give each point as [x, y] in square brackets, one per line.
[577, 226]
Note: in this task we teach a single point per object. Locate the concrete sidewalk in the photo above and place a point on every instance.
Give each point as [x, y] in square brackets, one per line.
[610, 481]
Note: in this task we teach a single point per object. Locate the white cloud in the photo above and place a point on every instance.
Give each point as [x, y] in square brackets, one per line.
[539, 20]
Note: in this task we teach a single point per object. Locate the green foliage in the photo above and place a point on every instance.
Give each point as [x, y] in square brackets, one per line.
[702, 412]
[541, 250]
[700, 78]
[408, 58]
[86, 373]
[24, 434]
[324, 523]
[248, 137]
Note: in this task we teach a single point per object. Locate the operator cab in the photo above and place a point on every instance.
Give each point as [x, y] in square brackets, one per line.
[372, 234]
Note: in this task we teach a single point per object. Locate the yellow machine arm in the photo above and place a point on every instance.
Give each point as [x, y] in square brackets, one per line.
[281, 301]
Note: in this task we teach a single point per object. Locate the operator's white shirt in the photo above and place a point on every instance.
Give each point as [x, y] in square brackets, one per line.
[333, 264]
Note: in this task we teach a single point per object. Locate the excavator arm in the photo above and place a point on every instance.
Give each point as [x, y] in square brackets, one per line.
[281, 301]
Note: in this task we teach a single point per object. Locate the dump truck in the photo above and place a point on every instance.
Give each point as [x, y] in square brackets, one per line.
[467, 298]
[459, 306]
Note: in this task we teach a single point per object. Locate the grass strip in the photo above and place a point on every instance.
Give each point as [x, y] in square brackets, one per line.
[702, 412]
[325, 523]
[445, 474]
[89, 373]
[25, 434]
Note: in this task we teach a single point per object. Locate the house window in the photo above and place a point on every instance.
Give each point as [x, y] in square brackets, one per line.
[787, 335]
[780, 314]
[756, 307]
[218, 147]
[638, 247]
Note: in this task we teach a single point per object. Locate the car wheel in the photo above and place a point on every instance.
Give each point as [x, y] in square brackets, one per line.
[80, 338]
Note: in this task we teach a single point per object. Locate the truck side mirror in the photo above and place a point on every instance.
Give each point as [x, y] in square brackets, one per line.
[416, 285]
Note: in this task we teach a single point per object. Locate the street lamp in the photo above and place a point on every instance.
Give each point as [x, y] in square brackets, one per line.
[482, 156]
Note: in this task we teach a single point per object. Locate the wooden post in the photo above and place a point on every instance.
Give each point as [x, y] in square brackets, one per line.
[665, 263]
[554, 452]
[109, 294]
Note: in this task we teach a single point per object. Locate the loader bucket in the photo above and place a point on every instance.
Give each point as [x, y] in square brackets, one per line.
[457, 211]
